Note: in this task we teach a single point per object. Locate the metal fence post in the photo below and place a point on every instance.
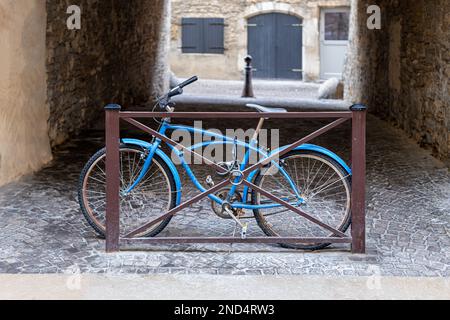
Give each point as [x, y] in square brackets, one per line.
[248, 85]
[112, 130]
[358, 178]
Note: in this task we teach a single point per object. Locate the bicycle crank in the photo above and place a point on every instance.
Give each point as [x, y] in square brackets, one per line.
[244, 226]
[218, 209]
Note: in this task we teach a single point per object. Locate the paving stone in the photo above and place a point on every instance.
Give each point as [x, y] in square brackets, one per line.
[408, 219]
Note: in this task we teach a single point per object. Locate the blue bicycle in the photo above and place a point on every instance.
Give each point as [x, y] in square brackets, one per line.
[309, 177]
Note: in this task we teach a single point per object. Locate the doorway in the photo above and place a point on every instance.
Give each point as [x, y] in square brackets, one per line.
[275, 43]
[334, 33]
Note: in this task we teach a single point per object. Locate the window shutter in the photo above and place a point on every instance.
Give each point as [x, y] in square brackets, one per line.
[192, 35]
[214, 35]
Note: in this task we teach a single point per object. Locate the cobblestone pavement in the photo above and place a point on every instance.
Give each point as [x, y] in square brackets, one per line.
[43, 231]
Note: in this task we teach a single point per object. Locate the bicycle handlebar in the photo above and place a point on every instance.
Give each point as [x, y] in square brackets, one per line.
[165, 100]
[188, 82]
[179, 88]
[175, 92]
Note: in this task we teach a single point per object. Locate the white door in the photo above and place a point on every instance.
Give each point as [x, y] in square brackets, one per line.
[334, 30]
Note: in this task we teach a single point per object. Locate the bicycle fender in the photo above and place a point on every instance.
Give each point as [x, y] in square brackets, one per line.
[326, 152]
[164, 157]
[315, 148]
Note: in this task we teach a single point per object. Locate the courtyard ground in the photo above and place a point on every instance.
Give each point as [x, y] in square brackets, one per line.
[408, 212]
[261, 88]
[408, 217]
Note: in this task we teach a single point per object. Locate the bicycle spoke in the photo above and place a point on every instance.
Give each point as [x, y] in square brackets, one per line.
[325, 191]
[329, 185]
[147, 201]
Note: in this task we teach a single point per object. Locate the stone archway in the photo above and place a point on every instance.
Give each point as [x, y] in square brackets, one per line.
[401, 71]
[269, 7]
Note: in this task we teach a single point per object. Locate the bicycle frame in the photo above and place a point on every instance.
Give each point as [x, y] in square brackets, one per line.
[220, 140]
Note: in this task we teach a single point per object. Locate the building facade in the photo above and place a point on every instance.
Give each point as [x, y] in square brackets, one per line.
[288, 39]
[54, 81]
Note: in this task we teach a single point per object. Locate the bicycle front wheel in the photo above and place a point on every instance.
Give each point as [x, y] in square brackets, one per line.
[324, 189]
[151, 198]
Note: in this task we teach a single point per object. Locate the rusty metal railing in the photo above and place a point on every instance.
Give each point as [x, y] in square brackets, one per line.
[357, 115]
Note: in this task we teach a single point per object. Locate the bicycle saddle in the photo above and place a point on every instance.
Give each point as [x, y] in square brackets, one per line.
[265, 109]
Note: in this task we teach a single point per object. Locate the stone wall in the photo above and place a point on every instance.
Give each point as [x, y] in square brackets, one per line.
[423, 101]
[24, 143]
[119, 55]
[236, 13]
[402, 70]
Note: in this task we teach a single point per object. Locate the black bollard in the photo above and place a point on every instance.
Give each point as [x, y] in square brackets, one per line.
[248, 86]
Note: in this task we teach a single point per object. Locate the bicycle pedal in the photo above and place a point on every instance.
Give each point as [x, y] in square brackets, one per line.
[209, 181]
[244, 231]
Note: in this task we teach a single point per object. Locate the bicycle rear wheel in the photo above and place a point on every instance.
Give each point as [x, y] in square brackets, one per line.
[323, 185]
[151, 198]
